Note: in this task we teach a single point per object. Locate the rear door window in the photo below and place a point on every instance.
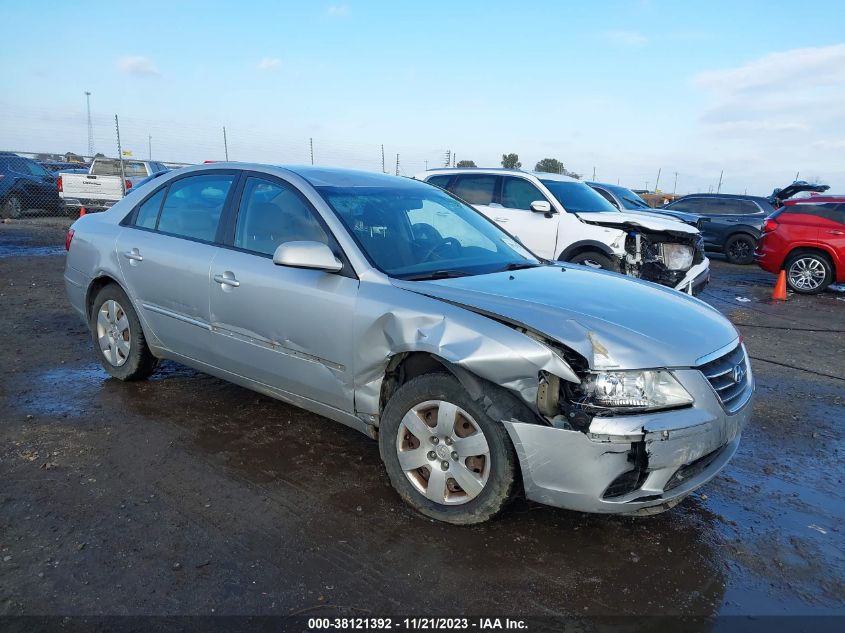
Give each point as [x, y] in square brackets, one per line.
[193, 206]
[147, 216]
[476, 188]
[440, 181]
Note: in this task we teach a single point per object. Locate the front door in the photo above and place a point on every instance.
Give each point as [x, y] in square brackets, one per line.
[288, 328]
[538, 231]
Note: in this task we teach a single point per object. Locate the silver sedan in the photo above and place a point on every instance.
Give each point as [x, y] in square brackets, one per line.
[392, 307]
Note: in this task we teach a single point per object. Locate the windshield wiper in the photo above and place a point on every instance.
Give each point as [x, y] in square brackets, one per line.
[517, 266]
[438, 274]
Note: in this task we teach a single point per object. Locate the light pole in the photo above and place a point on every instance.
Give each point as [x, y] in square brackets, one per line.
[90, 127]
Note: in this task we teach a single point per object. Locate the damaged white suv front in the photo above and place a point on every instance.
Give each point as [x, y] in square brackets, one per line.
[561, 218]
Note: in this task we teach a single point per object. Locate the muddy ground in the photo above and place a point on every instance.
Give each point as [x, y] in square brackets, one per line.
[188, 495]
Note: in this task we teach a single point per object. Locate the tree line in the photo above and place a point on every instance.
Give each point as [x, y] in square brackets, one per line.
[511, 161]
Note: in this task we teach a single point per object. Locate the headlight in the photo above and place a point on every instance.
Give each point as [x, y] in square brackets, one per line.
[676, 256]
[633, 391]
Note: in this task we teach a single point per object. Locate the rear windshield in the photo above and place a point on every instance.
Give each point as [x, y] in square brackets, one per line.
[132, 168]
[577, 197]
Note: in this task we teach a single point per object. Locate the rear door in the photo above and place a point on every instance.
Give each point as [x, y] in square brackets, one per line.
[479, 190]
[288, 328]
[165, 251]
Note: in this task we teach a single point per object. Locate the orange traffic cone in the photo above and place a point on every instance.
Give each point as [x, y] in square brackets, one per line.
[780, 287]
[82, 211]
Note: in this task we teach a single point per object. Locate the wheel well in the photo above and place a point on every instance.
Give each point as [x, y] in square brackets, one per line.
[810, 251]
[738, 233]
[586, 247]
[405, 366]
[94, 287]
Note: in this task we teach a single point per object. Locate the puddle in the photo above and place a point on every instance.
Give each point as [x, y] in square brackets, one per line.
[18, 246]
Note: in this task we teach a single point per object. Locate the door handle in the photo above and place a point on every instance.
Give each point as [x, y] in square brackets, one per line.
[835, 232]
[227, 279]
[134, 255]
[500, 219]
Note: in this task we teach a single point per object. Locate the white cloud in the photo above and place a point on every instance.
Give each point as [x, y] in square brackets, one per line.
[269, 64]
[137, 65]
[338, 11]
[626, 38]
[787, 70]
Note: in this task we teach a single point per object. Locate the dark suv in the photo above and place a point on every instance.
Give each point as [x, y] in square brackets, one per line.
[732, 224]
[24, 184]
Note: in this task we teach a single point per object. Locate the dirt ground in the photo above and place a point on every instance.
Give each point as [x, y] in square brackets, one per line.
[188, 495]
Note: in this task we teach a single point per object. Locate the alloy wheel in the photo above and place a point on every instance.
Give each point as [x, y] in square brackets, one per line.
[113, 333]
[443, 452]
[740, 250]
[807, 273]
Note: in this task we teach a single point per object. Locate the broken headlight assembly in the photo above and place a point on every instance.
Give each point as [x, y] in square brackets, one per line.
[631, 391]
[676, 256]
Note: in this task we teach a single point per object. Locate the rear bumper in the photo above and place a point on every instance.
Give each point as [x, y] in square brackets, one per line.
[89, 203]
[682, 450]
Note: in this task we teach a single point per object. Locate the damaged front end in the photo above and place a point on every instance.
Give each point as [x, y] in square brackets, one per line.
[666, 259]
[632, 442]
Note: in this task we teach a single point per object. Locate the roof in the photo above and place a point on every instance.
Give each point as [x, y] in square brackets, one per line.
[499, 171]
[338, 177]
[728, 196]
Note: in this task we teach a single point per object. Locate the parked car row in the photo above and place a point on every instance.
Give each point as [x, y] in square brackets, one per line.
[396, 308]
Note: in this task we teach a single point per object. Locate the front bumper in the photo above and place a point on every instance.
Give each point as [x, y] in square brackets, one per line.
[696, 278]
[681, 450]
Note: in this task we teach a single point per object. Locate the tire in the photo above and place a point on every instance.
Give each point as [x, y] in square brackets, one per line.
[808, 273]
[12, 207]
[494, 474]
[739, 249]
[118, 338]
[594, 259]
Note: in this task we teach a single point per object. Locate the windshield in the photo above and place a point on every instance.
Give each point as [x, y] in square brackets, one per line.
[417, 231]
[629, 199]
[578, 197]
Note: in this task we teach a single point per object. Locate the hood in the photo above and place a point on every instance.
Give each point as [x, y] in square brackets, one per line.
[641, 220]
[610, 319]
[687, 218]
[779, 195]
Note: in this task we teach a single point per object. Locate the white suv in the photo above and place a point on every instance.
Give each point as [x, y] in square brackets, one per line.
[562, 218]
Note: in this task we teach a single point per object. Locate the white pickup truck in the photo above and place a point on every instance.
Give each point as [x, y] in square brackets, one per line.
[101, 187]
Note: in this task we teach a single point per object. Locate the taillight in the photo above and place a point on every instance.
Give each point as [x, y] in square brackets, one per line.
[59, 184]
[769, 225]
[128, 185]
[68, 239]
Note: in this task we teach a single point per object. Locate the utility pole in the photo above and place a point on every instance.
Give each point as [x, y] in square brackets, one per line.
[426, 165]
[796, 174]
[311, 141]
[646, 185]
[225, 144]
[448, 162]
[719, 188]
[120, 156]
[91, 127]
[594, 172]
[150, 146]
[675, 186]
[382, 159]
[657, 182]
[454, 160]
[397, 164]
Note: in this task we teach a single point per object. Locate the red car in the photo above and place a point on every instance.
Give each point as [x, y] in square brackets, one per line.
[806, 238]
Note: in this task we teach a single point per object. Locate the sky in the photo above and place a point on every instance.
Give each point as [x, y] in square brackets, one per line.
[753, 90]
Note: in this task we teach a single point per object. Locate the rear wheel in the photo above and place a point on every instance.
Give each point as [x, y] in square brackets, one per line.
[739, 249]
[594, 259]
[12, 207]
[444, 455]
[118, 336]
[808, 273]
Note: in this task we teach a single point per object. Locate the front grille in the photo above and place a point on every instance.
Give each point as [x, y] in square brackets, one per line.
[729, 375]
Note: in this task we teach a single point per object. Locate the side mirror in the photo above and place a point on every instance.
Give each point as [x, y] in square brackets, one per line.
[541, 206]
[307, 255]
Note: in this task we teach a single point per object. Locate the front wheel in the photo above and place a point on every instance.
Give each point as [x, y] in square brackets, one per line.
[444, 455]
[593, 259]
[118, 336]
[808, 273]
[739, 249]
